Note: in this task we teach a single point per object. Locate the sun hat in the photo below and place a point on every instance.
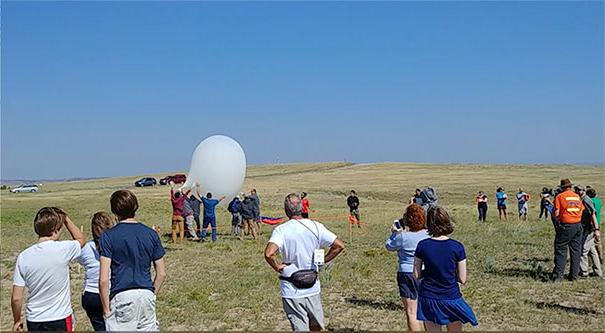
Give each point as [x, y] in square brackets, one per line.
[566, 183]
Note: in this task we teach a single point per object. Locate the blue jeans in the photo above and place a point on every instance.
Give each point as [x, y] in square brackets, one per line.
[212, 221]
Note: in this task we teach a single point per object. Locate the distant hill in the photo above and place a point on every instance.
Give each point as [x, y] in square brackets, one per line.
[44, 181]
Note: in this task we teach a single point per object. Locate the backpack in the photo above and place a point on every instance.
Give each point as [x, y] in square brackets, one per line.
[235, 206]
[429, 197]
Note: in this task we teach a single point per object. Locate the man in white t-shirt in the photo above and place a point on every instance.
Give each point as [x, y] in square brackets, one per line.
[43, 269]
[299, 241]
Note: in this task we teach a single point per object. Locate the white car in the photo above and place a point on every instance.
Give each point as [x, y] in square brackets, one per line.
[25, 188]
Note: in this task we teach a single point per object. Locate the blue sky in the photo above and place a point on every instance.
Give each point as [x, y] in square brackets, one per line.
[123, 88]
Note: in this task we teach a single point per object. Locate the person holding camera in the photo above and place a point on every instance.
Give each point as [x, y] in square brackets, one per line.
[406, 234]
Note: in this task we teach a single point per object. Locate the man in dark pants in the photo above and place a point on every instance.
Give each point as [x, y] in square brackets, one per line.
[569, 231]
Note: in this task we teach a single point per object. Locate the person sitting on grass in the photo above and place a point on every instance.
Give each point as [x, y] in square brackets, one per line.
[210, 215]
[444, 259]
[89, 259]
[405, 242]
[43, 269]
[178, 204]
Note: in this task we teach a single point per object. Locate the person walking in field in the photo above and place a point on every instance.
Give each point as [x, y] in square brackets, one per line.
[522, 202]
[248, 211]
[590, 233]
[305, 205]
[501, 203]
[128, 250]
[43, 269]
[89, 259]
[596, 201]
[440, 301]
[568, 232]
[481, 200]
[353, 203]
[545, 203]
[404, 241]
[178, 203]
[301, 242]
[210, 215]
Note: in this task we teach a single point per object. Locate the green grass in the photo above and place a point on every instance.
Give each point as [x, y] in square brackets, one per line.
[228, 286]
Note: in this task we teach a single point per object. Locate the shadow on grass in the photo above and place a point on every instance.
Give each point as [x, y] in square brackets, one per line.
[537, 275]
[565, 308]
[391, 306]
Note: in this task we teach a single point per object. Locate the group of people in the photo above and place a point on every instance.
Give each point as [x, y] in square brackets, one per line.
[501, 197]
[576, 216]
[186, 204]
[245, 215]
[576, 219]
[119, 286]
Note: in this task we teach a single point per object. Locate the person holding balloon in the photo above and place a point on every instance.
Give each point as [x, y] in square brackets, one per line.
[210, 215]
[178, 204]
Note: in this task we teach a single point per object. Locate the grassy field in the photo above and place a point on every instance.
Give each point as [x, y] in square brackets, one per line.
[228, 286]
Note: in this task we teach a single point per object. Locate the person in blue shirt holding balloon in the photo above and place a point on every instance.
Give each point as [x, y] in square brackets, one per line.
[209, 215]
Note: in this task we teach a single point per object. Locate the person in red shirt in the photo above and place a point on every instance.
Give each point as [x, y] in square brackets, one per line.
[305, 205]
[178, 202]
[568, 231]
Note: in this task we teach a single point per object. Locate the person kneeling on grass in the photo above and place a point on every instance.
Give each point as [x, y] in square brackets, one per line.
[89, 259]
[43, 269]
[405, 242]
[439, 299]
[129, 249]
[300, 241]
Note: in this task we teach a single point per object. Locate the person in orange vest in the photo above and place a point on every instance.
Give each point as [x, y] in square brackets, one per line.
[568, 231]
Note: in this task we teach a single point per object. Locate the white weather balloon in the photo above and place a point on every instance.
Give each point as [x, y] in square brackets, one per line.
[219, 166]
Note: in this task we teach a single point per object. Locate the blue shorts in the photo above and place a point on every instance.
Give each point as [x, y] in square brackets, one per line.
[408, 285]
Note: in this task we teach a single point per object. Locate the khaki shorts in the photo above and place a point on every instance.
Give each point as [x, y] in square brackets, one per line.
[132, 310]
[304, 313]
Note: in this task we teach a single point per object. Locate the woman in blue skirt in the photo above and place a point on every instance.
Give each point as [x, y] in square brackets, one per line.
[439, 299]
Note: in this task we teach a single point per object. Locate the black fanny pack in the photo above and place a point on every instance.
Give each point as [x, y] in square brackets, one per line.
[302, 279]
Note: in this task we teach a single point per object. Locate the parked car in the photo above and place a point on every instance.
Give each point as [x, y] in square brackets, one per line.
[145, 181]
[177, 179]
[25, 188]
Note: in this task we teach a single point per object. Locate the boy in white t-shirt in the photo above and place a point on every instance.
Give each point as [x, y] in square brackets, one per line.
[43, 269]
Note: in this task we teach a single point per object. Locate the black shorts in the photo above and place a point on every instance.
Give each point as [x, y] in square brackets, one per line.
[408, 285]
[63, 325]
[501, 207]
